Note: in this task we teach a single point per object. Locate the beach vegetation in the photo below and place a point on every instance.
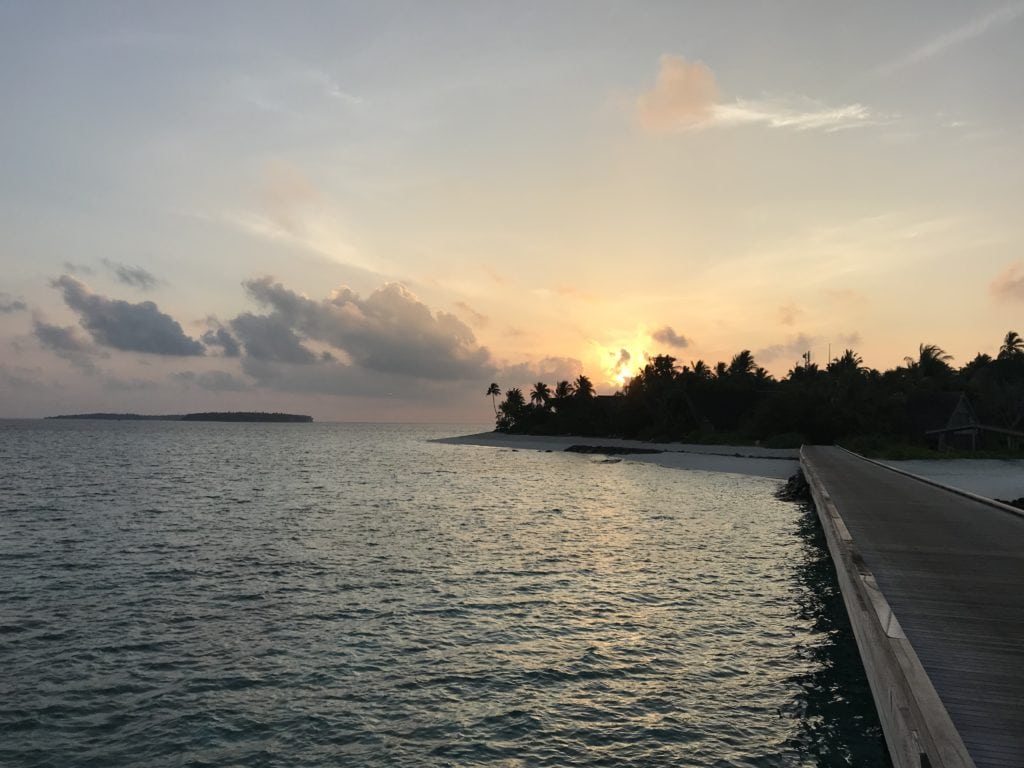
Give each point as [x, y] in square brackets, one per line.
[897, 412]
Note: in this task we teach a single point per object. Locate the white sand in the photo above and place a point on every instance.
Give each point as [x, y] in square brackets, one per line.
[742, 460]
[994, 478]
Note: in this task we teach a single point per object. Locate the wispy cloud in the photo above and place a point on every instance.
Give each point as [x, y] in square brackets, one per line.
[1008, 285]
[972, 29]
[685, 97]
[477, 318]
[10, 305]
[137, 277]
[292, 210]
[799, 115]
[788, 313]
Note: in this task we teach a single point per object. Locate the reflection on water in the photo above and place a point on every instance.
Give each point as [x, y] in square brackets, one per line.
[837, 721]
[262, 595]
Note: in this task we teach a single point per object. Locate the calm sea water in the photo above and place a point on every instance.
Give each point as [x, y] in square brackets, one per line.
[178, 594]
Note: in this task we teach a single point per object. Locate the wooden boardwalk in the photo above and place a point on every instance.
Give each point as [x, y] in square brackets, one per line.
[952, 571]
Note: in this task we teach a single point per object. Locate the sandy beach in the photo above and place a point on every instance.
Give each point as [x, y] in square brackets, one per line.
[742, 460]
[995, 479]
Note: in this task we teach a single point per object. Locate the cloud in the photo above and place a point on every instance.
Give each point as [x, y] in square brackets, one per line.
[624, 358]
[800, 115]
[337, 378]
[78, 269]
[795, 347]
[129, 327]
[214, 381]
[668, 336]
[9, 304]
[221, 337]
[291, 210]
[788, 313]
[269, 337]
[547, 369]
[137, 277]
[684, 96]
[477, 318]
[1008, 285]
[65, 342]
[389, 331]
[962, 34]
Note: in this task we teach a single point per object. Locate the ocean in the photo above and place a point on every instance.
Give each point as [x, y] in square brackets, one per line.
[204, 594]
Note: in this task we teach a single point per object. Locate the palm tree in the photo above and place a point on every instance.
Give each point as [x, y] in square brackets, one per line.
[541, 394]
[1013, 346]
[514, 403]
[933, 360]
[562, 390]
[663, 366]
[494, 391]
[742, 364]
[849, 363]
[583, 387]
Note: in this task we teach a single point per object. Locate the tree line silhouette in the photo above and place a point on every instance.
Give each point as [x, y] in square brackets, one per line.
[741, 401]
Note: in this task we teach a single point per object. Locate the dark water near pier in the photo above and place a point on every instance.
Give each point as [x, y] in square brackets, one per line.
[177, 594]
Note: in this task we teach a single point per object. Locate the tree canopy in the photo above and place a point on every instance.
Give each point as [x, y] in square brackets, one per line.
[740, 400]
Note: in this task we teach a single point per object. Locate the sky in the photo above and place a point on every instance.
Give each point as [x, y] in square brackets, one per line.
[369, 211]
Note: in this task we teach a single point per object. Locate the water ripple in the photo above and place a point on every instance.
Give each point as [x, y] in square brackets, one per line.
[266, 595]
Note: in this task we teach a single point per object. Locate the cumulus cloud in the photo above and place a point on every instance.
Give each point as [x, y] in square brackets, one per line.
[269, 337]
[221, 337]
[1008, 285]
[9, 304]
[685, 96]
[624, 358]
[547, 369]
[122, 325]
[390, 330]
[67, 343]
[137, 277]
[666, 335]
[214, 381]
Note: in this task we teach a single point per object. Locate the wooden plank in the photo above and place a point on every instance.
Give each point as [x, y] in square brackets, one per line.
[951, 570]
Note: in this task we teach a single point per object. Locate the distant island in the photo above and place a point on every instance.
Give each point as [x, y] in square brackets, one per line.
[208, 416]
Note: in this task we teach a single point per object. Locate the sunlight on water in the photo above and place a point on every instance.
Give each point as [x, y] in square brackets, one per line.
[222, 594]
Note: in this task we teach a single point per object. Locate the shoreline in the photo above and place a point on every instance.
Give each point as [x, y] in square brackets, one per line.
[772, 463]
[993, 478]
